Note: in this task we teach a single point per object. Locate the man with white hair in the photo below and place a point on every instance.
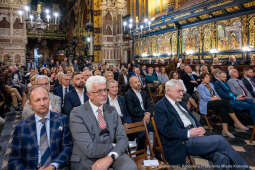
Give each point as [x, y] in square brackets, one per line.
[99, 138]
[181, 134]
[55, 101]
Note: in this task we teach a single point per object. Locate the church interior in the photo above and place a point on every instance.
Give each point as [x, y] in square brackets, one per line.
[123, 37]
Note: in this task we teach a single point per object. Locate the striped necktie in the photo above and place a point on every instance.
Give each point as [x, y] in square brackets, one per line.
[100, 119]
[44, 145]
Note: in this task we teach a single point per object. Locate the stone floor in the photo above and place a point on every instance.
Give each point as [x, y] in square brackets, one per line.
[240, 143]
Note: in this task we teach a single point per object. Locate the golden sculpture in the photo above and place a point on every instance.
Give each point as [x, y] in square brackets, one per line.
[252, 32]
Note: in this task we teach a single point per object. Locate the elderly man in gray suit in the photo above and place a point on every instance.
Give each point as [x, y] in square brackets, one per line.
[55, 101]
[99, 139]
[236, 85]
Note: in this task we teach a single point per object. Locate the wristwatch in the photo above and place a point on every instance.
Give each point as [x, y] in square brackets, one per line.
[113, 156]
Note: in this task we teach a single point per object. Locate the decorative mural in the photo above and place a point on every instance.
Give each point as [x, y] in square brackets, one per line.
[229, 34]
[190, 40]
[225, 35]
[252, 31]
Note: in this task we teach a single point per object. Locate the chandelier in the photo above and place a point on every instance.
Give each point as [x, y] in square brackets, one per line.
[37, 21]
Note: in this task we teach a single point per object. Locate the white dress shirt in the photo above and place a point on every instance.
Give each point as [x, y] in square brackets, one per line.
[138, 94]
[114, 102]
[184, 119]
[81, 95]
[94, 109]
[38, 134]
[125, 79]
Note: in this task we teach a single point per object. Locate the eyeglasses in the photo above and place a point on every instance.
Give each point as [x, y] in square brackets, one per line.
[100, 91]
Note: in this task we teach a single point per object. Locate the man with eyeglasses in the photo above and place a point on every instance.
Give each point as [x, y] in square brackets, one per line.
[181, 134]
[77, 96]
[55, 101]
[63, 88]
[100, 141]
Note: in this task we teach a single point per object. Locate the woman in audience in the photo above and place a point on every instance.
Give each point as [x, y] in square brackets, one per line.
[187, 99]
[108, 75]
[163, 77]
[97, 73]
[210, 100]
[150, 78]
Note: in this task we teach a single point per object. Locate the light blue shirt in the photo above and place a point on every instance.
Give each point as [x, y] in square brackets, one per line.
[38, 131]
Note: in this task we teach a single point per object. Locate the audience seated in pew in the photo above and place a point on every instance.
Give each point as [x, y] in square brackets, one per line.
[181, 134]
[210, 100]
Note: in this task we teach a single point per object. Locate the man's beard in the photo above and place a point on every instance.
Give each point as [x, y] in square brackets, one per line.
[80, 86]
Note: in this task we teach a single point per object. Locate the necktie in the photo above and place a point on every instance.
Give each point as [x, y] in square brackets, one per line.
[44, 146]
[191, 76]
[100, 119]
[66, 91]
[243, 89]
[187, 115]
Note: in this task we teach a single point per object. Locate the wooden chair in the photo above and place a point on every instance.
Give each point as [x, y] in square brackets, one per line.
[157, 146]
[154, 96]
[137, 127]
[253, 134]
[210, 114]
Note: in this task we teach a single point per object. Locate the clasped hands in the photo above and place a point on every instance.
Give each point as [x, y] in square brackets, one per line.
[195, 132]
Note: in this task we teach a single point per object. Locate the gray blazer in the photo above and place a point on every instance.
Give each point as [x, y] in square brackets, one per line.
[89, 141]
[235, 87]
[55, 102]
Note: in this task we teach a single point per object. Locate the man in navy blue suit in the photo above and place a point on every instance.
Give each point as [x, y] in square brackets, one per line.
[63, 88]
[117, 101]
[42, 141]
[77, 96]
[248, 81]
[182, 134]
[238, 102]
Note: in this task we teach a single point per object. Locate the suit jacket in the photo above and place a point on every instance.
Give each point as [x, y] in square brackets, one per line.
[190, 86]
[90, 142]
[172, 132]
[55, 102]
[72, 100]
[24, 146]
[133, 105]
[224, 91]
[205, 97]
[58, 91]
[248, 86]
[126, 118]
[235, 87]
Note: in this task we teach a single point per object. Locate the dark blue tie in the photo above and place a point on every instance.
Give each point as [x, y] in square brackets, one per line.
[44, 146]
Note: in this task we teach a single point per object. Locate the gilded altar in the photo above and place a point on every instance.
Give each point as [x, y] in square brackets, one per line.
[225, 32]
